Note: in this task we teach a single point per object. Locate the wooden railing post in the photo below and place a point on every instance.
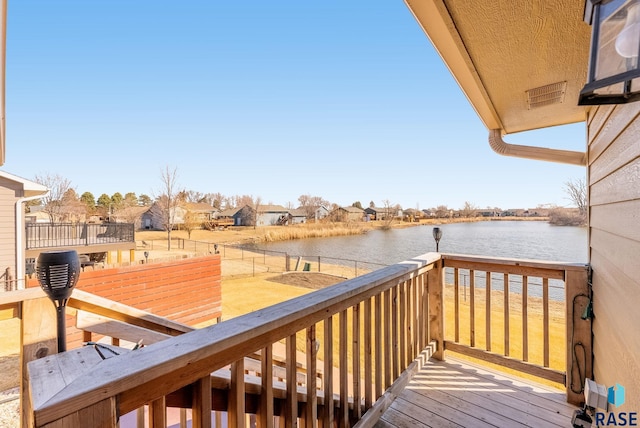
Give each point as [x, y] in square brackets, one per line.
[435, 284]
[38, 339]
[577, 298]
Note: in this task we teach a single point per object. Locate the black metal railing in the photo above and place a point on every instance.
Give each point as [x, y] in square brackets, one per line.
[48, 235]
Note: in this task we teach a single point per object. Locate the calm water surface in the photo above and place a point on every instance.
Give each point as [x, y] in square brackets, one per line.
[513, 239]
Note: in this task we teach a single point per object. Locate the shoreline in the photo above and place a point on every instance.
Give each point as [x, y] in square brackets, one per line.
[240, 235]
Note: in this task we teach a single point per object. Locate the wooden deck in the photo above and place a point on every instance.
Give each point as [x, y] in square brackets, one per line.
[456, 393]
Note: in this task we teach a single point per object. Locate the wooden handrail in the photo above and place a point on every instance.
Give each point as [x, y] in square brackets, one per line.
[154, 371]
[406, 302]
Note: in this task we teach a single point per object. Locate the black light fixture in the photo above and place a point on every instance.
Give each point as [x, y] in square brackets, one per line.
[58, 273]
[614, 70]
[146, 257]
[437, 234]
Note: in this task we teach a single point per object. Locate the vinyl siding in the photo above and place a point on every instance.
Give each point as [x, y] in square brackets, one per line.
[9, 193]
[614, 244]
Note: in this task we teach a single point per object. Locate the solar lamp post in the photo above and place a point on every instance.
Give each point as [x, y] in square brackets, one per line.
[58, 273]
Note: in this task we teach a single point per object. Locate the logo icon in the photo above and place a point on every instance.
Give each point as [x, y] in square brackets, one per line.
[615, 395]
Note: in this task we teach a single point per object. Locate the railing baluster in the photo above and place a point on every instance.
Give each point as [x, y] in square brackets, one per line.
[235, 409]
[291, 407]
[344, 372]
[487, 294]
[378, 344]
[402, 301]
[407, 324]
[265, 415]
[140, 417]
[506, 314]
[387, 339]
[525, 324]
[472, 309]
[355, 354]
[328, 417]
[414, 319]
[424, 316]
[394, 331]
[368, 357]
[456, 304]
[545, 320]
[311, 416]
[201, 403]
[158, 413]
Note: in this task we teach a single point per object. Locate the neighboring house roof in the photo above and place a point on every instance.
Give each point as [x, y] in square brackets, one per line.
[130, 212]
[500, 60]
[298, 213]
[272, 209]
[380, 210]
[199, 207]
[229, 212]
[30, 188]
[352, 209]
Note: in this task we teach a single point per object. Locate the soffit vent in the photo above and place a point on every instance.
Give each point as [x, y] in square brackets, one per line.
[546, 95]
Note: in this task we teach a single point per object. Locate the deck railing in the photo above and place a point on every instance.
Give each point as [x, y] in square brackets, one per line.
[348, 350]
[527, 305]
[50, 235]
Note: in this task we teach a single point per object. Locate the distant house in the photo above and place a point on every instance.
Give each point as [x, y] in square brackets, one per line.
[347, 214]
[378, 213]
[487, 213]
[226, 214]
[269, 215]
[14, 192]
[412, 214]
[154, 218]
[37, 215]
[202, 212]
[244, 216]
[297, 216]
[130, 215]
[321, 212]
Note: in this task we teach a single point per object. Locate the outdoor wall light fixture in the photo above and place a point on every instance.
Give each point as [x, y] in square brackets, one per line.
[58, 273]
[437, 235]
[146, 257]
[614, 71]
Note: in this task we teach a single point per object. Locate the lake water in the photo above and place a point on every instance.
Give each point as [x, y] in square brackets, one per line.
[513, 239]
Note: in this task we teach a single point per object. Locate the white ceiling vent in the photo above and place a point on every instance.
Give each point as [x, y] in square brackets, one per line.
[546, 95]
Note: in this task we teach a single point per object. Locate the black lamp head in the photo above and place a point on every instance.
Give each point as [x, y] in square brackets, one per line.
[437, 233]
[58, 273]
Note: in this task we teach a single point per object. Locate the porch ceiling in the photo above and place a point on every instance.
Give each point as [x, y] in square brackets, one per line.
[499, 50]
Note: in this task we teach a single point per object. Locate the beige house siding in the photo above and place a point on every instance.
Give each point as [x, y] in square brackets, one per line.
[614, 245]
[9, 192]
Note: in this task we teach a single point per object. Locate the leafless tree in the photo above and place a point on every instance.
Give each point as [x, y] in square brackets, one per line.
[442, 211]
[256, 204]
[577, 191]
[168, 200]
[469, 210]
[310, 204]
[390, 211]
[54, 201]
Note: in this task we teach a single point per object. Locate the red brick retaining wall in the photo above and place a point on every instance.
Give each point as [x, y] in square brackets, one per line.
[187, 290]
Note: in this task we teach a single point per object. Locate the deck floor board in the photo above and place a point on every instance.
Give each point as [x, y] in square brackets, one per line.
[458, 393]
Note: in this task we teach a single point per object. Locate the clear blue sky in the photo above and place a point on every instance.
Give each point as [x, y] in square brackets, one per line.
[345, 99]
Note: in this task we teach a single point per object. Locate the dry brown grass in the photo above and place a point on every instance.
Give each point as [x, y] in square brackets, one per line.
[246, 295]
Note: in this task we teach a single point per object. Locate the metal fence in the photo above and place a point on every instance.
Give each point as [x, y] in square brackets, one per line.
[47, 235]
